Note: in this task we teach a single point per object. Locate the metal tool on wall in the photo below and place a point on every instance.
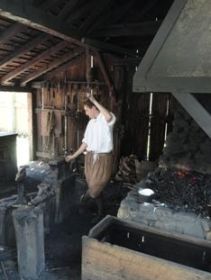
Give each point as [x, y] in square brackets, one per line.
[65, 115]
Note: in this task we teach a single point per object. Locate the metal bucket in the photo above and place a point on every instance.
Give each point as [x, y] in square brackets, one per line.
[145, 195]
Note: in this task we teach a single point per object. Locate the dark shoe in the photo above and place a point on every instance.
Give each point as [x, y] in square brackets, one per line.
[82, 198]
[100, 205]
[82, 210]
[85, 198]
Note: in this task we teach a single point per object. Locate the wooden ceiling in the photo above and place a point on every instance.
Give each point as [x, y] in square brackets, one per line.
[40, 36]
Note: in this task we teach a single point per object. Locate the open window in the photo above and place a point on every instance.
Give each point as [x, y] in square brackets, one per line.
[16, 116]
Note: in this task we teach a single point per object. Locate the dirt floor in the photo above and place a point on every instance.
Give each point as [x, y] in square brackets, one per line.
[63, 249]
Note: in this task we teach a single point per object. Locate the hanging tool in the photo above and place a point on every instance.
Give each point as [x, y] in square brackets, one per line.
[65, 115]
[20, 178]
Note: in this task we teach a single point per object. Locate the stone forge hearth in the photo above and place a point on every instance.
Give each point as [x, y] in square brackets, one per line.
[182, 184]
[179, 205]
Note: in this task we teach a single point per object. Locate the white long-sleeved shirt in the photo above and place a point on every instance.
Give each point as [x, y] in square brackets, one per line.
[99, 134]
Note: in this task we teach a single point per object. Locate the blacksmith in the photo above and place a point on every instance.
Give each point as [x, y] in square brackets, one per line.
[98, 144]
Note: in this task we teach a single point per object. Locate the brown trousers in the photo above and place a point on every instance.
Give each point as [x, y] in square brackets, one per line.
[98, 170]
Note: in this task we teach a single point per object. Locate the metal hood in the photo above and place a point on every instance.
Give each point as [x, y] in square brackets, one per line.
[179, 57]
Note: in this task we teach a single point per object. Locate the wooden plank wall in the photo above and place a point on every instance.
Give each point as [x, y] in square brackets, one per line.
[136, 125]
[69, 88]
[159, 118]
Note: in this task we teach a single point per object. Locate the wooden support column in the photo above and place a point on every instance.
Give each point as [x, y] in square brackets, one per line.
[105, 74]
[88, 63]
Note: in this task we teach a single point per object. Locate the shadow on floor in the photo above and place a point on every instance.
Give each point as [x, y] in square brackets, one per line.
[63, 244]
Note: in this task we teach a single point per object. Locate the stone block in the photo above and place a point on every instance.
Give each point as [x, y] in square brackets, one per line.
[29, 231]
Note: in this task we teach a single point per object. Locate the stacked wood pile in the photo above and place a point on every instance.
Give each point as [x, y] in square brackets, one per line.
[131, 170]
[127, 169]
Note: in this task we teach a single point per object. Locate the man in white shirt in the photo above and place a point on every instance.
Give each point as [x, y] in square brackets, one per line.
[98, 142]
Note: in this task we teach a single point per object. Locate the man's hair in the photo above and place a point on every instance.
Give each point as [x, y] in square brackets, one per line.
[89, 103]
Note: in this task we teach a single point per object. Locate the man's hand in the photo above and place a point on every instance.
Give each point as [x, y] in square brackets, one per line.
[103, 110]
[69, 158]
[80, 150]
[90, 96]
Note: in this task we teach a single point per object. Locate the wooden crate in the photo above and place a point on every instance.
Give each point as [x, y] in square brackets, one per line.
[117, 250]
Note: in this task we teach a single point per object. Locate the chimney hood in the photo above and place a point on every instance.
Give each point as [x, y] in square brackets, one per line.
[178, 60]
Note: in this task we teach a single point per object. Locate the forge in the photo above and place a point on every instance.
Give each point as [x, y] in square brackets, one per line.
[181, 183]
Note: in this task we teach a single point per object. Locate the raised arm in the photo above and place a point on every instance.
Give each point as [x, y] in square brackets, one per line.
[103, 110]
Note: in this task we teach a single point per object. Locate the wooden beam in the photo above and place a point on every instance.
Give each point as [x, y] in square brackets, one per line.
[10, 32]
[52, 65]
[145, 9]
[105, 74]
[30, 63]
[138, 29]
[28, 15]
[114, 14]
[122, 11]
[84, 10]
[21, 12]
[25, 48]
[87, 64]
[48, 4]
[37, 2]
[41, 84]
[100, 45]
[195, 109]
[15, 88]
[68, 8]
[96, 12]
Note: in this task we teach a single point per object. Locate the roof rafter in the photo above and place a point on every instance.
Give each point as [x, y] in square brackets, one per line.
[100, 6]
[67, 9]
[30, 63]
[11, 31]
[48, 4]
[82, 11]
[107, 46]
[116, 14]
[134, 29]
[76, 52]
[105, 73]
[25, 48]
[40, 20]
